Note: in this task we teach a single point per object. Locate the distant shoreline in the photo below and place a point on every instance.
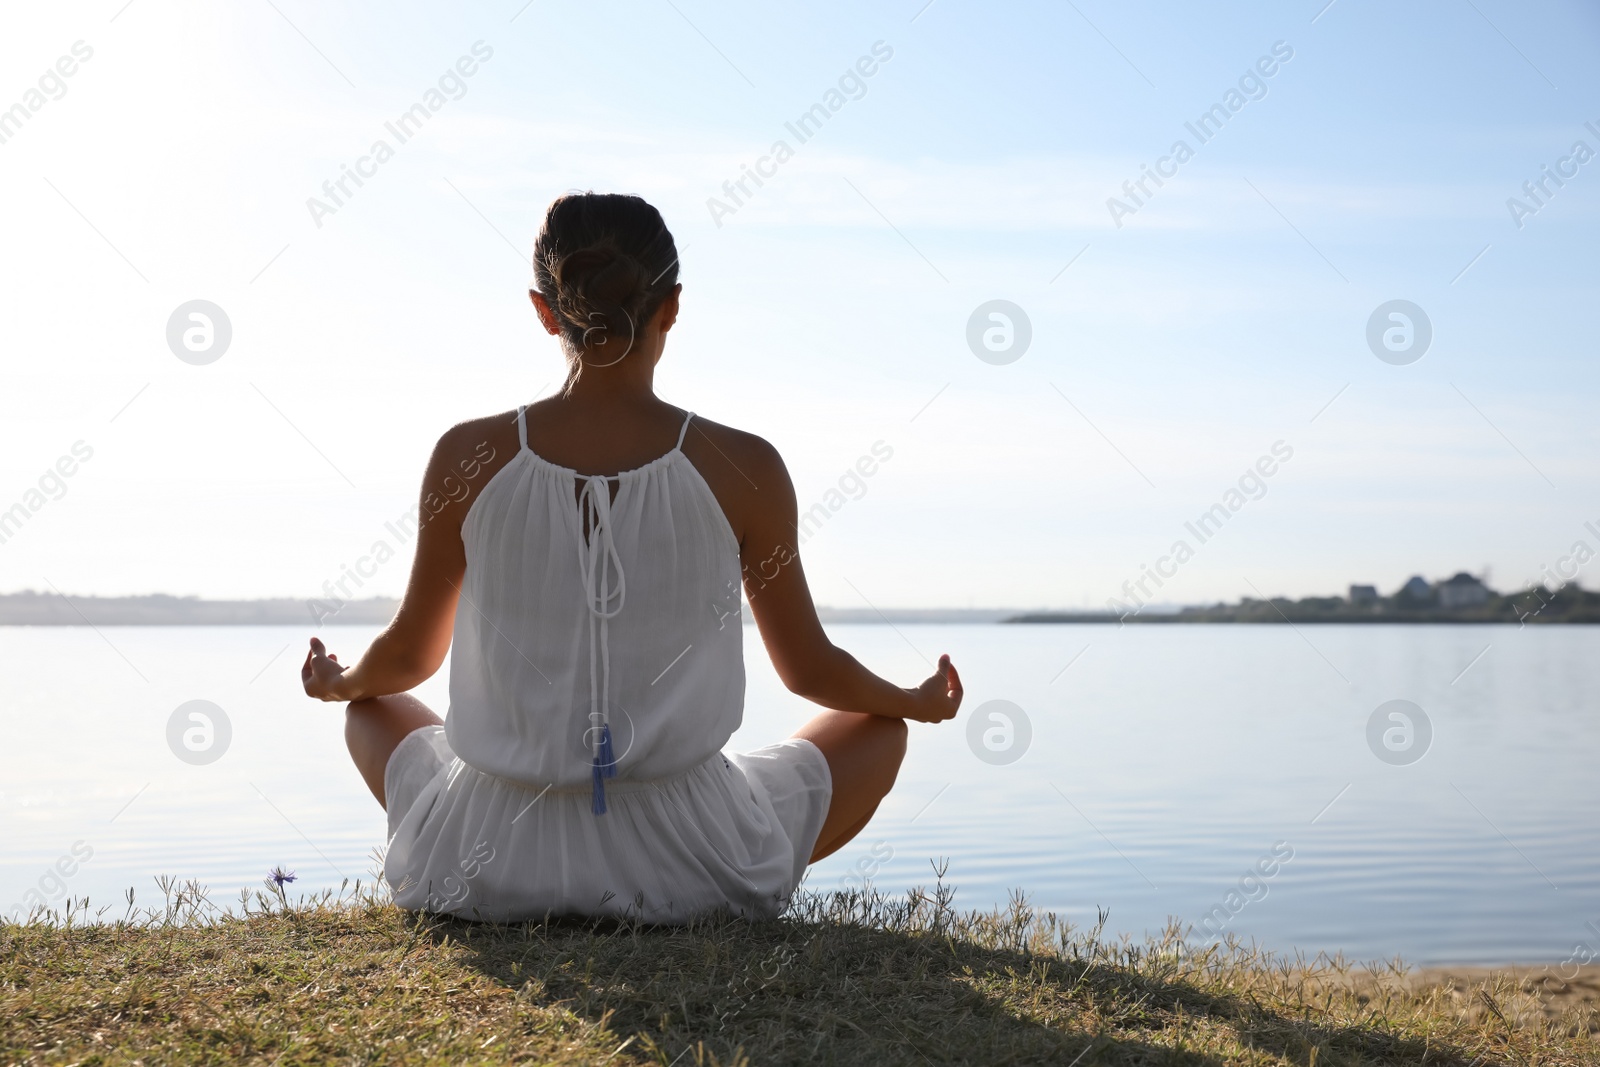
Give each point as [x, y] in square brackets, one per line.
[1198, 619]
[55, 609]
[1570, 605]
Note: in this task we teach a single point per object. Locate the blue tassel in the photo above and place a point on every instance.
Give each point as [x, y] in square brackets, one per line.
[605, 766]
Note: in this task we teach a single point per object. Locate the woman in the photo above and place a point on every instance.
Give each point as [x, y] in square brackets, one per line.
[587, 572]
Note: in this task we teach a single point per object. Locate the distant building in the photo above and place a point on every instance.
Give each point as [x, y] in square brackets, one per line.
[1416, 589]
[1462, 591]
[1363, 594]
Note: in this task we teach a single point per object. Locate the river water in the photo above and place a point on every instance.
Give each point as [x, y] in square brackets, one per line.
[1228, 776]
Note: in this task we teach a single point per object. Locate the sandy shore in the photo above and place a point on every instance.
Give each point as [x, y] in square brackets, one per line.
[1557, 986]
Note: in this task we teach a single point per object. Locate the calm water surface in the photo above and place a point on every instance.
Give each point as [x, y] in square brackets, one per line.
[1165, 764]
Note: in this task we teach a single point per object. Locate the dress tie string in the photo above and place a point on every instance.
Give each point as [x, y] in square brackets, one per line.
[604, 589]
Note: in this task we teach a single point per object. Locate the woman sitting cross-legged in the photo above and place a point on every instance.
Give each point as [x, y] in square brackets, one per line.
[584, 557]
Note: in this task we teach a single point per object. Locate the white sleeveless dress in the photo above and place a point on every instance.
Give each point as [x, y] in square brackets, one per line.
[597, 669]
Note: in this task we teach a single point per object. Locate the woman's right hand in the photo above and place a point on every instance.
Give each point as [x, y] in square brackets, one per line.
[939, 697]
[321, 672]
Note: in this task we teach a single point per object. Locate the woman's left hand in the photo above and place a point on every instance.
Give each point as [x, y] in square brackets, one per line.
[939, 697]
[321, 673]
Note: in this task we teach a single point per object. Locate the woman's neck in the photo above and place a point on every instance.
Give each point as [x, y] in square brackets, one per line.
[627, 381]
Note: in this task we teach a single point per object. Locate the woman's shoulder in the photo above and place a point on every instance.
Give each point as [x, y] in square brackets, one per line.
[730, 450]
[744, 472]
[467, 456]
[481, 437]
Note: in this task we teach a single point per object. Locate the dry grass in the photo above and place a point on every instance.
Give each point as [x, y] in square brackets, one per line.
[845, 978]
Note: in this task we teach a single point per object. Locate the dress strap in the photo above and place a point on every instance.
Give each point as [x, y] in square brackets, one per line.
[685, 430]
[522, 426]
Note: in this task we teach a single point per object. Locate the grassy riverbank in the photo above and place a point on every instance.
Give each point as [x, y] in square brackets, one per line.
[845, 979]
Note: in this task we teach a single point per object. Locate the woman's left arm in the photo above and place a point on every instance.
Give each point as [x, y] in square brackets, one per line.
[414, 645]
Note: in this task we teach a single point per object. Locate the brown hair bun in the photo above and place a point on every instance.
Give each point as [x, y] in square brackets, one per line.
[604, 262]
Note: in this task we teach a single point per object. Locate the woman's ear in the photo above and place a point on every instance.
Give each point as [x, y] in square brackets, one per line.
[669, 308]
[547, 317]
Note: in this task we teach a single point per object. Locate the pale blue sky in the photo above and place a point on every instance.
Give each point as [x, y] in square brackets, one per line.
[829, 312]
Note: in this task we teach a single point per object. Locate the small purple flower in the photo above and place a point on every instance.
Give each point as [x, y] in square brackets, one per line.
[279, 876]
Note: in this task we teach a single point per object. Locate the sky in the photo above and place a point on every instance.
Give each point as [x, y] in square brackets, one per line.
[1184, 338]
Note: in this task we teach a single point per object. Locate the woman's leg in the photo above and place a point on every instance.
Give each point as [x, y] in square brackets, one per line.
[864, 754]
[373, 727]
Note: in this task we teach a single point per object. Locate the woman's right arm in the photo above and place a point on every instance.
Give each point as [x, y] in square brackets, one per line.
[808, 663]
